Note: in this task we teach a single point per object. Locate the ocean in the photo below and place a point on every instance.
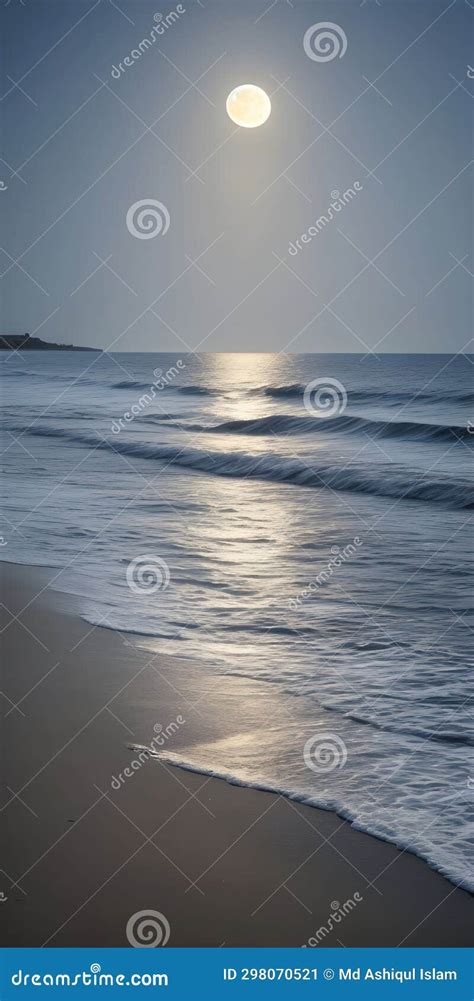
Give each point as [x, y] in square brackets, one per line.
[309, 543]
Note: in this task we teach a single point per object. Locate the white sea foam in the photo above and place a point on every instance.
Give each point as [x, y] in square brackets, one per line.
[210, 481]
[394, 826]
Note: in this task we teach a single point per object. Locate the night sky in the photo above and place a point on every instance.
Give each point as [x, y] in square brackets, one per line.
[84, 142]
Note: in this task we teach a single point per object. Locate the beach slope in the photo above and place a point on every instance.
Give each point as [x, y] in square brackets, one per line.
[87, 844]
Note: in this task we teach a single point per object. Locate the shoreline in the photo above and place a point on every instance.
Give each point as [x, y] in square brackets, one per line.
[225, 863]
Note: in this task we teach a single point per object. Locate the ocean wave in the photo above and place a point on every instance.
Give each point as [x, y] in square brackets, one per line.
[158, 418]
[197, 390]
[71, 381]
[383, 481]
[437, 735]
[191, 390]
[50, 376]
[296, 390]
[287, 424]
[130, 384]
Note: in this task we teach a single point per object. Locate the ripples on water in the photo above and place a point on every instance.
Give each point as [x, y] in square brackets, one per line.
[254, 505]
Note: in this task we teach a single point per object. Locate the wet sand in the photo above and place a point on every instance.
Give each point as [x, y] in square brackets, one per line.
[224, 864]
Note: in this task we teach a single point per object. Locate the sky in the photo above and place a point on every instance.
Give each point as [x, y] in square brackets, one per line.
[385, 115]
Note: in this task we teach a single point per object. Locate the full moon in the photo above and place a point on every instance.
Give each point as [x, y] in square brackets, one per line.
[248, 106]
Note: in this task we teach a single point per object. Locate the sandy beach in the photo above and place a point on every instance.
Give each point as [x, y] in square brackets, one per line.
[87, 845]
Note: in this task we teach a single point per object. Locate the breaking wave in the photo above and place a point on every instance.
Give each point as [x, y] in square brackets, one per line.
[287, 424]
[381, 480]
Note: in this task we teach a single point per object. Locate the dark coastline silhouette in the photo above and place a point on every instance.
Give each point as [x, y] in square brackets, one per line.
[23, 342]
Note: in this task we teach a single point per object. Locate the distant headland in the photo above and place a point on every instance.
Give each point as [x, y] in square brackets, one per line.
[23, 342]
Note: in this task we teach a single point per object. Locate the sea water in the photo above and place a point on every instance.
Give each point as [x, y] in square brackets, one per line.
[317, 545]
